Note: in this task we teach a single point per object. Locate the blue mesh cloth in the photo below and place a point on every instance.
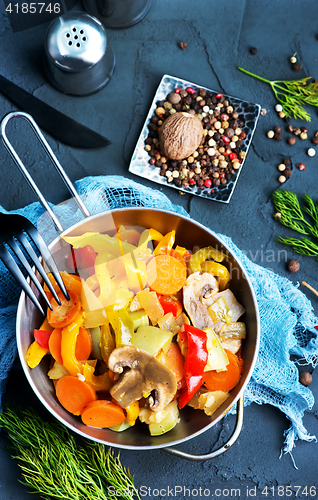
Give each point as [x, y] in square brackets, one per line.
[286, 315]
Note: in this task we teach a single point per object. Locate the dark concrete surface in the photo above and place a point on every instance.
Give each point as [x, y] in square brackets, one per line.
[219, 36]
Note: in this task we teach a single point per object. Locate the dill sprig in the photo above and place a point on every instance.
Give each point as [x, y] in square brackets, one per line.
[54, 466]
[293, 94]
[292, 215]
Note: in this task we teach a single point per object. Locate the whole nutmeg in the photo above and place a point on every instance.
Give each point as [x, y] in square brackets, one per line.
[293, 266]
[180, 135]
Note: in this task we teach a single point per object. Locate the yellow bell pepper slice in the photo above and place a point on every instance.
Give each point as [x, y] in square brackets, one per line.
[150, 303]
[122, 325]
[107, 286]
[35, 354]
[136, 273]
[149, 235]
[98, 382]
[100, 242]
[68, 345]
[166, 243]
[107, 342]
[217, 270]
[132, 413]
[203, 254]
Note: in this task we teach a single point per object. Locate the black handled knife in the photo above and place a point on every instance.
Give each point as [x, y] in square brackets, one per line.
[61, 127]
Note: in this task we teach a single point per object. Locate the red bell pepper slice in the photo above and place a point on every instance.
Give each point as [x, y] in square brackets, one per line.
[195, 362]
[81, 258]
[42, 338]
[170, 304]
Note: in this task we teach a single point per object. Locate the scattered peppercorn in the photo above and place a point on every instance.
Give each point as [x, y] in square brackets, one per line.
[287, 172]
[315, 140]
[270, 134]
[291, 141]
[305, 378]
[277, 216]
[293, 266]
[287, 161]
[282, 179]
[183, 45]
[253, 51]
[296, 66]
[278, 108]
[293, 59]
[301, 166]
[278, 136]
[311, 152]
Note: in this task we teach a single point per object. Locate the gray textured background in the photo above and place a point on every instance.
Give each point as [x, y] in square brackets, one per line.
[219, 36]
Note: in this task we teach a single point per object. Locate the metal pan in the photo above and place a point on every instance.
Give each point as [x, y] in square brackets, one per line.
[189, 234]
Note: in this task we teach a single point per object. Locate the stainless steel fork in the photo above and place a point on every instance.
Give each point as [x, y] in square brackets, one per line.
[14, 230]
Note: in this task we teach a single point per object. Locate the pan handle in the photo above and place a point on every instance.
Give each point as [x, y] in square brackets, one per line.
[219, 451]
[54, 160]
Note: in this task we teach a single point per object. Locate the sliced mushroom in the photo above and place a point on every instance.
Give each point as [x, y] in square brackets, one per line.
[142, 376]
[198, 294]
[236, 308]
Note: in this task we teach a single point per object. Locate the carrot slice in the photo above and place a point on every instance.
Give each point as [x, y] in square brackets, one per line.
[64, 314]
[178, 256]
[173, 360]
[71, 282]
[55, 345]
[103, 413]
[83, 347]
[225, 380]
[166, 274]
[74, 394]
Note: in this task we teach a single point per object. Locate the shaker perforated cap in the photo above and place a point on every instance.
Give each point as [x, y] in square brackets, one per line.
[78, 58]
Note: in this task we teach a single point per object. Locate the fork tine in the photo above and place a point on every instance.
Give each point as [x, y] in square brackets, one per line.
[19, 254]
[47, 257]
[10, 263]
[28, 248]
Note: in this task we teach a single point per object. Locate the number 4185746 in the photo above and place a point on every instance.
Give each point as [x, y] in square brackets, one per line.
[33, 8]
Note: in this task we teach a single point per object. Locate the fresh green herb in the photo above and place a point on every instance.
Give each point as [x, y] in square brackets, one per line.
[54, 466]
[293, 94]
[292, 215]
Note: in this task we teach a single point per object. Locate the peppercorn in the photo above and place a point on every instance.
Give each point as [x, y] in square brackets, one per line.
[278, 108]
[277, 129]
[290, 129]
[287, 161]
[296, 66]
[253, 51]
[303, 136]
[278, 136]
[315, 140]
[281, 114]
[311, 152]
[293, 59]
[287, 173]
[291, 141]
[183, 45]
[305, 378]
[293, 266]
[301, 166]
[281, 167]
[270, 134]
[282, 179]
